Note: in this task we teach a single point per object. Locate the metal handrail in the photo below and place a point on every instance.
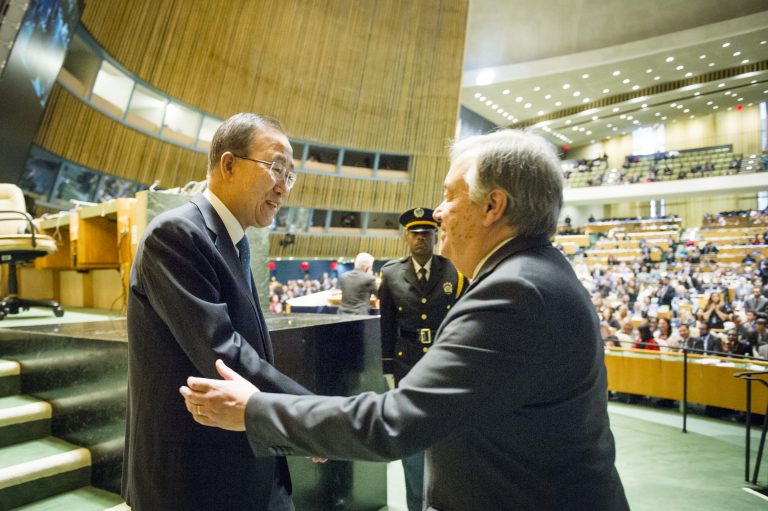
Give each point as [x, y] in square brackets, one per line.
[749, 377]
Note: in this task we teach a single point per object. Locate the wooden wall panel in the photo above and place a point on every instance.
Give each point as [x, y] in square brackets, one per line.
[332, 247]
[373, 74]
[77, 132]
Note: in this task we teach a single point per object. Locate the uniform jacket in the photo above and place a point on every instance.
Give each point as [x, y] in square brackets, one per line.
[406, 308]
[356, 290]
[188, 305]
[510, 402]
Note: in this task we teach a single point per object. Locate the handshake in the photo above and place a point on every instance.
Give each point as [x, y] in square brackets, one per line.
[221, 403]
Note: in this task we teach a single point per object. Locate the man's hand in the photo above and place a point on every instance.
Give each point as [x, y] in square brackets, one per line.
[219, 403]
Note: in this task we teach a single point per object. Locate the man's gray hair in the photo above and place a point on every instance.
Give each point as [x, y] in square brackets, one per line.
[525, 167]
[363, 261]
[237, 134]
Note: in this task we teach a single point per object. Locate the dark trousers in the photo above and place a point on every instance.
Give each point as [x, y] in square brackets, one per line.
[413, 466]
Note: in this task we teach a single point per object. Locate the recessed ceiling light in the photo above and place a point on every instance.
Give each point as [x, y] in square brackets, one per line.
[585, 76]
[519, 99]
[680, 67]
[575, 128]
[548, 96]
[688, 74]
[657, 78]
[594, 117]
[635, 87]
[501, 111]
[625, 80]
[629, 117]
[753, 82]
[567, 121]
[609, 125]
[670, 59]
[702, 56]
[536, 89]
[691, 117]
[615, 129]
[540, 112]
[576, 94]
[709, 103]
[585, 100]
[482, 98]
[527, 105]
[477, 94]
[711, 64]
[679, 107]
[635, 122]
[664, 118]
[558, 103]
[649, 70]
[566, 86]
[591, 141]
[740, 99]
[623, 116]
[736, 53]
[616, 73]
[673, 105]
[726, 45]
[722, 84]
[589, 133]
[489, 102]
[485, 78]
[697, 94]
[505, 91]
[644, 105]
[763, 42]
[657, 114]
[715, 107]
[615, 109]
[745, 61]
[686, 110]
[606, 91]
[495, 106]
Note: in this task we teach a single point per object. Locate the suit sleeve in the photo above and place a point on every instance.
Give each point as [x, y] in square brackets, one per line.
[456, 386]
[179, 279]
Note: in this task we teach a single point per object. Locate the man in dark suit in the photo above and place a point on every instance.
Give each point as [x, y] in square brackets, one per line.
[416, 294]
[510, 401]
[665, 293]
[192, 300]
[757, 303]
[707, 342]
[357, 286]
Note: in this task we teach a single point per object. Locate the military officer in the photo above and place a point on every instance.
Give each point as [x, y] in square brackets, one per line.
[416, 293]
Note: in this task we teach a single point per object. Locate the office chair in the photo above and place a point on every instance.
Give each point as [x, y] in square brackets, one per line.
[19, 243]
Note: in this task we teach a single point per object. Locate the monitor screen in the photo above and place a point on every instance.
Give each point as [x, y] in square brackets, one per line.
[39, 174]
[26, 81]
[74, 183]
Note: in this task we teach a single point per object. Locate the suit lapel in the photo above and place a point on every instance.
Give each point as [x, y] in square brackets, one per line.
[409, 274]
[435, 271]
[224, 244]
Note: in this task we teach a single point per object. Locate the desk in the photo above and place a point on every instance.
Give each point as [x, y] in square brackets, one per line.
[660, 374]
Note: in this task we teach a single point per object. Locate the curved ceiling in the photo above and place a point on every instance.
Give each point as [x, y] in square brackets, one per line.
[593, 94]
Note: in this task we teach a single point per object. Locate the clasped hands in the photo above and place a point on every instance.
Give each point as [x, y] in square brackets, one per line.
[221, 403]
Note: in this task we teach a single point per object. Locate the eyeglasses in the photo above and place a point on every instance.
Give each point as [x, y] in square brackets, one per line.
[279, 173]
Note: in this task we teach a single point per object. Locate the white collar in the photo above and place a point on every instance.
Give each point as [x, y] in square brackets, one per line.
[234, 229]
[484, 259]
[427, 266]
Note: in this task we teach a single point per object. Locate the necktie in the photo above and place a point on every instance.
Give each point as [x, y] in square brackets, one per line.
[422, 277]
[245, 259]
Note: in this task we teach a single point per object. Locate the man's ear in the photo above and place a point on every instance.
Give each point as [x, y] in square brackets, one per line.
[496, 205]
[226, 162]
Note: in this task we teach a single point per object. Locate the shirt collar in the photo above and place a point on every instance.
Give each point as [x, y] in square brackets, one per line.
[427, 266]
[489, 254]
[234, 229]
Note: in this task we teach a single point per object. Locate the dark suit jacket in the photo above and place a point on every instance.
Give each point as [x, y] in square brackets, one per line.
[667, 296]
[759, 306]
[188, 305]
[714, 344]
[356, 290]
[510, 402]
[407, 307]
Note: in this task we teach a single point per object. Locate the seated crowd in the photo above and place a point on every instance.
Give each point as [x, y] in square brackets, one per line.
[280, 293]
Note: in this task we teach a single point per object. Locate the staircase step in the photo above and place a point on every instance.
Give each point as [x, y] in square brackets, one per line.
[10, 381]
[82, 499]
[23, 418]
[41, 468]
